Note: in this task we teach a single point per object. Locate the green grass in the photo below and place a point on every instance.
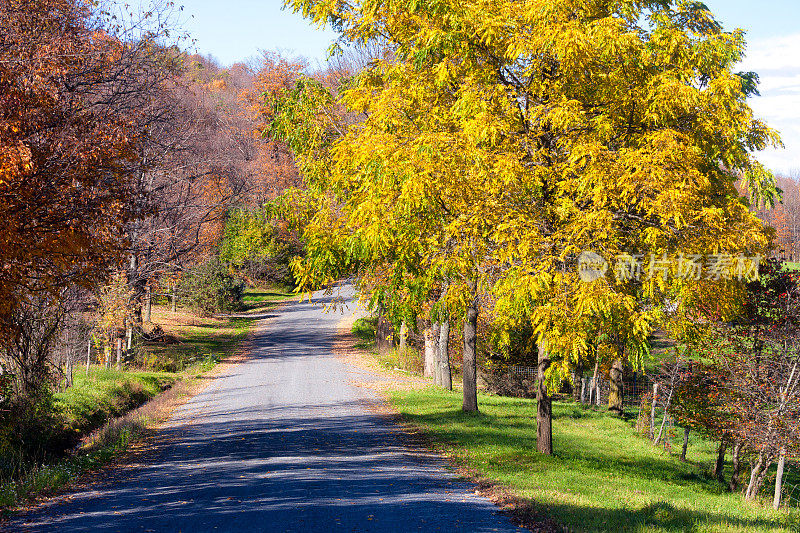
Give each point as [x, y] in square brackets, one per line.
[602, 476]
[791, 266]
[266, 298]
[107, 393]
[364, 329]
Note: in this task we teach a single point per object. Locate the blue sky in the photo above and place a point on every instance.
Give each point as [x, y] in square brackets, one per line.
[235, 30]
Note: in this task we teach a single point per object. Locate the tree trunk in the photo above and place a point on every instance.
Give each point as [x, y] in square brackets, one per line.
[544, 410]
[128, 336]
[577, 384]
[653, 412]
[384, 333]
[664, 420]
[107, 353]
[757, 475]
[402, 345]
[733, 484]
[583, 391]
[68, 372]
[88, 355]
[776, 500]
[469, 377]
[719, 465]
[431, 336]
[173, 299]
[686, 431]
[443, 366]
[119, 354]
[137, 284]
[148, 304]
[593, 392]
[615, 404]
[599, 391]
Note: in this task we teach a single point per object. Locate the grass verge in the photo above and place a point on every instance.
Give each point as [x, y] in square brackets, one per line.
[602, 477]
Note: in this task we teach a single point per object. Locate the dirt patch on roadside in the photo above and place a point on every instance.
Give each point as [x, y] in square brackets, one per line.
[368, 372]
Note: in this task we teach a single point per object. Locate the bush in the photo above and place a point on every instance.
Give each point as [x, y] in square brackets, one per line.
[209, 288]
[30, 433]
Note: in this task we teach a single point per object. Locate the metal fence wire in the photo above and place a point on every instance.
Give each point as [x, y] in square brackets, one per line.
[634, 385]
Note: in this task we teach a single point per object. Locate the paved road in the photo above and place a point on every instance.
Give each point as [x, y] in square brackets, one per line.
[281, 442]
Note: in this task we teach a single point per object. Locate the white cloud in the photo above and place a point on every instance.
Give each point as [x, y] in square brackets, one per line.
[775, 54]
[777, 62]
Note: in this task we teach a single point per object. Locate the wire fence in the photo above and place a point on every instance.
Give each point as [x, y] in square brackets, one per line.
[634, 386]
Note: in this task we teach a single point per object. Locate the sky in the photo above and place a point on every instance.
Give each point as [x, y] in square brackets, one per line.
[235, 30]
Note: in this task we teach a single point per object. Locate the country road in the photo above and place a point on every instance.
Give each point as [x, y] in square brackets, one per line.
[281, 442]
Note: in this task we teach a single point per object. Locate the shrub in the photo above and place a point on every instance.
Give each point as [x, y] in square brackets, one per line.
[209, 288]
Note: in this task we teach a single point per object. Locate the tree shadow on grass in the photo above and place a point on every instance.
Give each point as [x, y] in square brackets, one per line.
[515, 451]
[519, 433]
[661, 516]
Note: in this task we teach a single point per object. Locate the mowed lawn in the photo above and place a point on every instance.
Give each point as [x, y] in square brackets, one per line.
[602, 476]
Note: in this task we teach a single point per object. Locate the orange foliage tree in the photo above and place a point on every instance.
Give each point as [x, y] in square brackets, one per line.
[74, 97]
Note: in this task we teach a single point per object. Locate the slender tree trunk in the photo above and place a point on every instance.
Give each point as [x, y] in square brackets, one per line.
[88, 354]
[544, 410]
[776, 500]
[402, 346]
[128, 334]
[686, 432]
[757, 475]
[733, 484]
[594, 392]
[137, 284]
[107, 353]
[148, 304]
[653, 412]
[68, 372]
[598, 391]
[431, 336]
[119, 354]
[666, 411]
[469, 377]
[443, 367]
[615, 393]
[577, 384]
[583, 391]
[173, 299]
[719, 465]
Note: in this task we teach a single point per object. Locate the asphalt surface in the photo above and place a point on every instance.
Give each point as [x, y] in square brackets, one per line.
[281, 442]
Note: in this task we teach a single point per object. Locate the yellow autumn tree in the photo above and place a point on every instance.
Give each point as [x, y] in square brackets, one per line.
[502, 139]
